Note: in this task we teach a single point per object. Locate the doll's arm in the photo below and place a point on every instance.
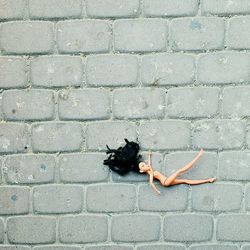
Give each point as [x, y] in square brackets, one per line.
[151, 177]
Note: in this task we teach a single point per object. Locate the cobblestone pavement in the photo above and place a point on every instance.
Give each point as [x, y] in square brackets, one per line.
[75, 75]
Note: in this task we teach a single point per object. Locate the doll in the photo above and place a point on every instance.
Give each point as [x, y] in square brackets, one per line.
[126, 159]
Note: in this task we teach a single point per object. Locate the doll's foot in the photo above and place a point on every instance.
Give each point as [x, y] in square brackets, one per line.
[212, 180]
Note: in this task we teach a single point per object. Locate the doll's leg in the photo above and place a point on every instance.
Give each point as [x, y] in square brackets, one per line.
[166, 181]
[192, 182]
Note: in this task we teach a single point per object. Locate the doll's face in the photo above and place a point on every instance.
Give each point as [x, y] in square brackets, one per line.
[143, 167]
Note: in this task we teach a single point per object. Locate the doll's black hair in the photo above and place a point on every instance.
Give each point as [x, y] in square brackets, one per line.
[124, 159]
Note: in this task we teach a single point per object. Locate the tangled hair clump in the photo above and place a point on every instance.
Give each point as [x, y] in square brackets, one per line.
[124, 159]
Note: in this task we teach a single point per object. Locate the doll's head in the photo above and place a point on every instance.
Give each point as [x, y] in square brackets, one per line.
[124, 159]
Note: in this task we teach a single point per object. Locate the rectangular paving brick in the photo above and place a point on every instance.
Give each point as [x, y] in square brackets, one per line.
[86, 167]
[234, 166]
[192, 102]
[12, 9]
[167, 69]
[27, 37]
[86, 104]
[58, 136]
[147, 35]
[192, 34]
[84, 228]
[236, 34]
[161, 247]
[1, 231]
[56, 71]
[112, 70]
[223, 7]
[134, 228]
[143, 103]
[14, 137]
[102, 130]
[12, 72]
[57, 199]
[154, 8]
[233, 227]
[168, 134]
[170, 199]
[219, 134]
[29, 168]
[223, 68]
[217, 197]
[55, 9]
[188, 227]
[17, 105]
[111, 198]
[112, 8]
[59, 247]
[14, 200]
[31, 229]
[235, 102]
[83, 36]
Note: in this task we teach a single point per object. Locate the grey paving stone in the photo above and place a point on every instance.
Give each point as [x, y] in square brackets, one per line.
[223, 68]
[54, 247]
[234, 165]
[86, 104]
[58, 136]
[237, 33]
[147, 35]
[27, 37]
[154, 8]
[247, 197]
[161, 247]
[28, 169]
[111, 198]
[16, 247]
[31, 229]
[12, 9]
[139, 103]
[14, 200]
[56, 71]
[57, 199]
[170, 199]
[12, 72]
[188, 227]
[233, 227]
[192, 102]
[112, 8]
[14, 137]
[219, 134]
[83, 36]
[28, 105]
[200, 33]
[223, 7]
[134, 228]
[112, 70]
[236, 102]
[109, 247]
[217, 197]
[102, 131]
[85, 167]
[1, 231]
[167, 69]
[168, 134]
[84, 228]
[55, 9]
[213, 247]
